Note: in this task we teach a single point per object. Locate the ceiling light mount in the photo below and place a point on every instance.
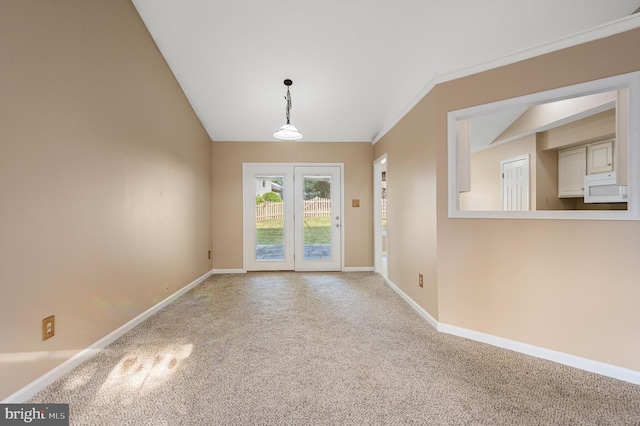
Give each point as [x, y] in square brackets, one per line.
[288, 132]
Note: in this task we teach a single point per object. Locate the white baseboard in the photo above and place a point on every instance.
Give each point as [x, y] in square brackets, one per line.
[345, 269]
[604, 369]
[229, 271]
[51, 376]
[357, 269]
[424, 314]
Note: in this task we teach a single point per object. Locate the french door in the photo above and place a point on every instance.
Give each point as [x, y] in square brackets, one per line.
[292, 217]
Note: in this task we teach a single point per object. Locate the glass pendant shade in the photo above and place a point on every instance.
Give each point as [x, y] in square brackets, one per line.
[288, 132]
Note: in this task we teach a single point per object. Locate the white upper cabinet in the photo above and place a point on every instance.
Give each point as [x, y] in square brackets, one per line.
[575, 163]
[600, 157]
[572, 168]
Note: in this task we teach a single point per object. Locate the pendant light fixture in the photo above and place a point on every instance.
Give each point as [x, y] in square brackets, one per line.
[288, 132]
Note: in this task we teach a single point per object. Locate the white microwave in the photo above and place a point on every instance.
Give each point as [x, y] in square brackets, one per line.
[604, 188]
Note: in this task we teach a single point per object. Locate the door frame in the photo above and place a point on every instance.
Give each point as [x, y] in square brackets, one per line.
[245, 232]
[377, 214]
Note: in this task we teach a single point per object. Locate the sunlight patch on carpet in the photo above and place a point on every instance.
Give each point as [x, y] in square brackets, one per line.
[141, 371]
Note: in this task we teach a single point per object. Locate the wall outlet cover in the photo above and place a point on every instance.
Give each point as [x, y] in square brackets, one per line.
[48, 327]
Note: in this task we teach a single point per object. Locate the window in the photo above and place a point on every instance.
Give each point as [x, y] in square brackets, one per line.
[599, 118]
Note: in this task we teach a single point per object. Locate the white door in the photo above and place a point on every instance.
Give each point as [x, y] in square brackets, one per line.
[318, 218]
[380, 215]
[292, 217]
[268, 225]
[515, 184]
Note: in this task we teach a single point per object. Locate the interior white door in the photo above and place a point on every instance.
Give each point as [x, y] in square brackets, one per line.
[318, 218]
[515, 184]
[380, 215]
[292, 217]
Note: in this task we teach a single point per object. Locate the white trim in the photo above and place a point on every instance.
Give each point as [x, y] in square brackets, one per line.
[54, 374]
[343, 221]
[586, 364]
[357, 269]
[604, 369]
[228, 271]
[619, 26]
[424, 314]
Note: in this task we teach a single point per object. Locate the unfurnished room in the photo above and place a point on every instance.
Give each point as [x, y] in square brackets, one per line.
[319, 212]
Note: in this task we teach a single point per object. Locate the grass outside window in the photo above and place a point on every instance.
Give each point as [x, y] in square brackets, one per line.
[317, 230]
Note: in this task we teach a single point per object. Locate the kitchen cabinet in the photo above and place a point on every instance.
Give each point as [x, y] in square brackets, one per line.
[572, 168]
[575, 163]
[600, 157]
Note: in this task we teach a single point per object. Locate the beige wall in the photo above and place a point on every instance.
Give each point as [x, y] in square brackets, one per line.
[105, 179]
[486, 179]
[411, 149]
[547, 181]
[544, 115]
[227, 189]
[542, 282]
[591, 129]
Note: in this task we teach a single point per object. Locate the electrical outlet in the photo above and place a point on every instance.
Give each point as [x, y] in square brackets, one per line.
[209, 254]
[166, 288]
[420, 280]
[48, 327]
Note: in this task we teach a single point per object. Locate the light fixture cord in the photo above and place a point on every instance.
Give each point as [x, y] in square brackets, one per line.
[288, 98]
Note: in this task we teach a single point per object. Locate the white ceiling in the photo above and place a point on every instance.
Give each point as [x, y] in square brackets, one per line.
[356, 65]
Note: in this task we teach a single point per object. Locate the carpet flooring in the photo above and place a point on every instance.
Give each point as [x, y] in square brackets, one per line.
[322, 349]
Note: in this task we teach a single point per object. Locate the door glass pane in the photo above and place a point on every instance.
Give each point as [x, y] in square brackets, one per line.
[269, 218]
[317, 218]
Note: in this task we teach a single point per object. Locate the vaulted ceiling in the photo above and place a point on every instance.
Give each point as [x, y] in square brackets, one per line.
[356, 65]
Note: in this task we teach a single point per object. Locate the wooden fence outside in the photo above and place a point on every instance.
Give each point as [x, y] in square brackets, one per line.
[269, 211]
[315, 207]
